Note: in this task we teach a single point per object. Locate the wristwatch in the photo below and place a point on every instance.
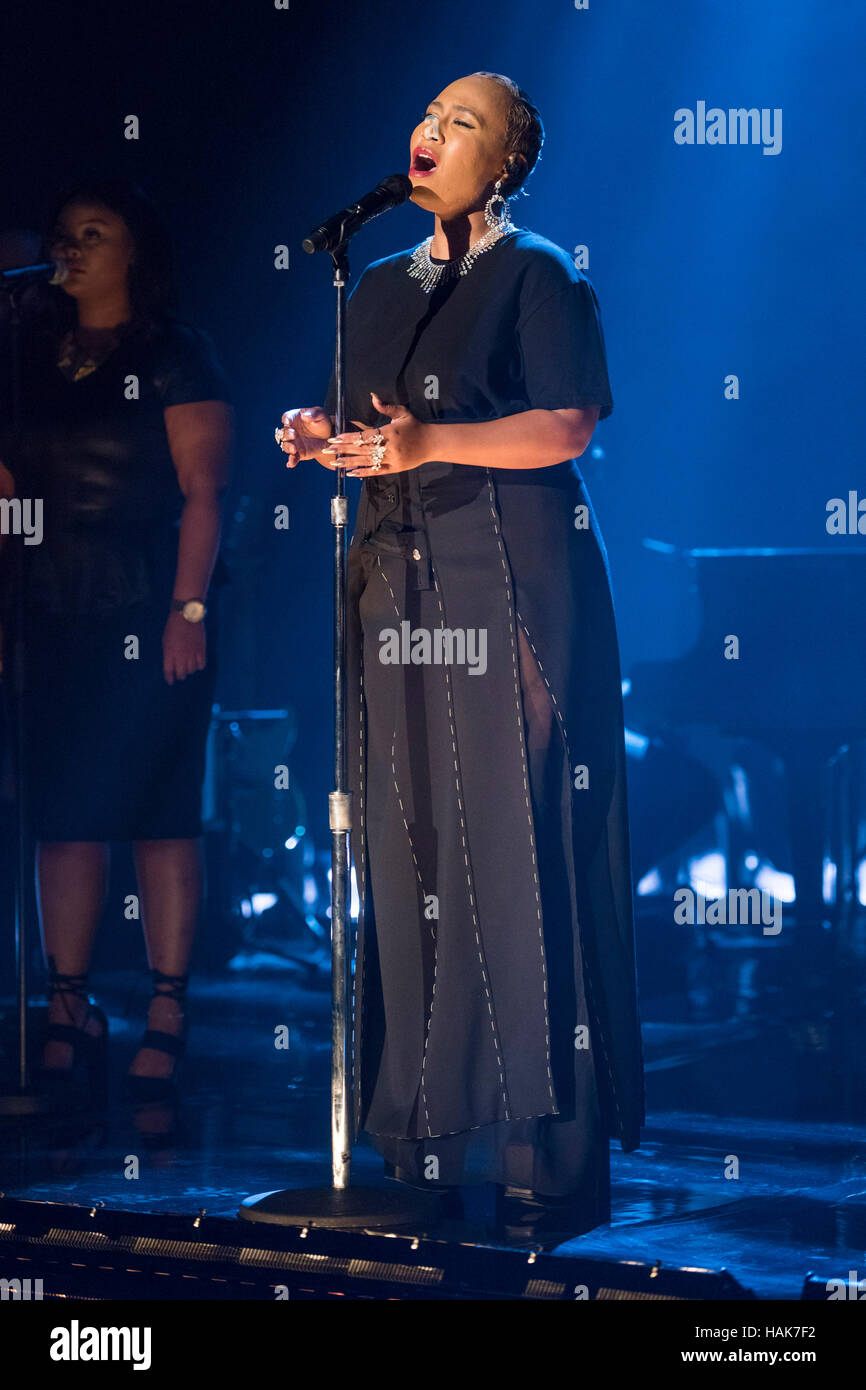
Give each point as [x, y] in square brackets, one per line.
[193, 609]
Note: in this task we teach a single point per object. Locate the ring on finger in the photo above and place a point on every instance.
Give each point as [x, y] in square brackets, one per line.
[377, 450]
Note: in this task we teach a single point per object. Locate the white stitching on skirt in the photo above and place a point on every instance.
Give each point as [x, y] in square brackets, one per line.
[403, 816]
[587, 976]
[507, 1115]
[393, 745]
[356, 984]
[519, 710]
[418, 872]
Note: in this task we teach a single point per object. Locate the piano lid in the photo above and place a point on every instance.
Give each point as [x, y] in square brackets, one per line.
[797, 619]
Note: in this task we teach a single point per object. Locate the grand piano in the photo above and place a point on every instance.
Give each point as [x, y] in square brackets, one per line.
[798, 683]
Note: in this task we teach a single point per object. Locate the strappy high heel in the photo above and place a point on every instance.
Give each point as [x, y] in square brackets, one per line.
[89, 1050]
[155, 1088]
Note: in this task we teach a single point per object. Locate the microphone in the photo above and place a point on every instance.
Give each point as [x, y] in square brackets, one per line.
[54, 272]
[343, 225]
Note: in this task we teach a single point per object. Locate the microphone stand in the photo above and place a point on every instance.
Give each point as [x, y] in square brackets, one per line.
[22, 1100]
[339, 1205]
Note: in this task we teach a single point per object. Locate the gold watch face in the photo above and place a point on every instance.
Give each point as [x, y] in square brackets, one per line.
[193, 611]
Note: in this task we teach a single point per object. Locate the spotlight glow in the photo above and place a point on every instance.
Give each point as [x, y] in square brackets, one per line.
[708, 874]
[650, 883]
[779, 885]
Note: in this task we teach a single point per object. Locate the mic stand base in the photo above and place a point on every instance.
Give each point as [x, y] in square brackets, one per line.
[346, 1208]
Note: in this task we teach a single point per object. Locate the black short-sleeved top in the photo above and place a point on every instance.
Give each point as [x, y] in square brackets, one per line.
[520, 331]
[96, 452]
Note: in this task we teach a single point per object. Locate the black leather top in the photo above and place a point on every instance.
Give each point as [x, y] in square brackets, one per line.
[96, 452]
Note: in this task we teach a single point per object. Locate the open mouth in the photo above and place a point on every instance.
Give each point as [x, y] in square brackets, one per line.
[423, 162]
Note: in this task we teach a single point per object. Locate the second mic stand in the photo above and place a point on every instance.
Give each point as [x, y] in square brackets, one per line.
[22, 1100]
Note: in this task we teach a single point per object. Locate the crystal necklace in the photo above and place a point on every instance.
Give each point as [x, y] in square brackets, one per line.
[422, 268]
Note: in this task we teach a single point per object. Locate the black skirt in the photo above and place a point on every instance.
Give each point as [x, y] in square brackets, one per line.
[495, 1030]
[112, 751]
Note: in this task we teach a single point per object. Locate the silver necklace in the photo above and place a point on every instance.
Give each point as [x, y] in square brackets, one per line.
[422, 268]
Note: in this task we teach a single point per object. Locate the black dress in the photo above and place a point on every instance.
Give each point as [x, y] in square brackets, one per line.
[112, 751]
[496, 1033]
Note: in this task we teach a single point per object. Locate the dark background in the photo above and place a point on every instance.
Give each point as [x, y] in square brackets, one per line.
[257, 122]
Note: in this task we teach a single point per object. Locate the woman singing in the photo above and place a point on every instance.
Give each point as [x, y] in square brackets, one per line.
[126, 439]
[496, 1032]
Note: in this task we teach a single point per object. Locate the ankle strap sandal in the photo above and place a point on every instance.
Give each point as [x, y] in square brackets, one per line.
[87, 1048]
[153, 1088]
[169, 987]
[173, 986]
[59, 983]
[76, 985]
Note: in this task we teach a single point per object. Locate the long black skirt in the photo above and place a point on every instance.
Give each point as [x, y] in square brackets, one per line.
[495, 1021]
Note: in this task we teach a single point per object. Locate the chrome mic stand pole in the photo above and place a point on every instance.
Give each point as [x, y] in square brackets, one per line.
[340, 799]
[340, 1204]
[22, 1101]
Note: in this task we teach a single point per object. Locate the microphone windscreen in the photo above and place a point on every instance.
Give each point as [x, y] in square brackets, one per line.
[400, 185]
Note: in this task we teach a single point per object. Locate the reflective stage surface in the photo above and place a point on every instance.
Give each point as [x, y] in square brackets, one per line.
[753, 1158]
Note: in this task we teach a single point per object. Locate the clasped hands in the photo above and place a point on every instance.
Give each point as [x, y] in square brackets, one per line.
[406, 440]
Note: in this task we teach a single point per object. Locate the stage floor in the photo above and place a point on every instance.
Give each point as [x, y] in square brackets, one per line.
[773, 1089]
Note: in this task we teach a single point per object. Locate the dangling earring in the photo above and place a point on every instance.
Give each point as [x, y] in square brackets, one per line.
[496, 217]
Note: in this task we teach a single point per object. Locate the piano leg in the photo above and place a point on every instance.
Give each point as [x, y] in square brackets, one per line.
[806, 783]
